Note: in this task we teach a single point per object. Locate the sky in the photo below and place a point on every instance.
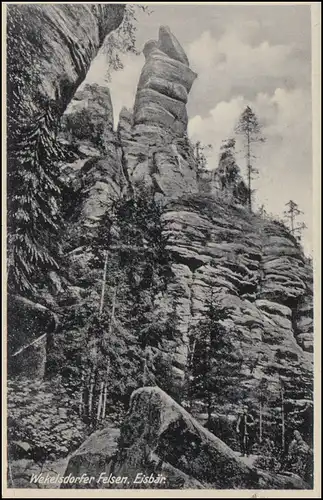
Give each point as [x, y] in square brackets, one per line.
[257, 55]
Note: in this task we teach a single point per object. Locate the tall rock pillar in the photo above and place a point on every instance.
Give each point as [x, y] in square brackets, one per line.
[156, 147]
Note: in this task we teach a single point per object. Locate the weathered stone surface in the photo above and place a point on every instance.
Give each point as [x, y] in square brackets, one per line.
[167, 69]
[89, 116]
[169, 44]
[225, 181]
[221, 247]
[154, 142]
[27, 341]
[175, 91]
[69, 39]
[95, 171]
[159, 437]
[93, 455]
[160, 101]
[60, 41]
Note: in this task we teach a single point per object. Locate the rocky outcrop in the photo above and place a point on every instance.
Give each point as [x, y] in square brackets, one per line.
[27, 346]
[254, 266]
[160, 438]
[95, 169]
[164, 84]
[63, 40]
[155, 145]
[226, 180]
[93, 455]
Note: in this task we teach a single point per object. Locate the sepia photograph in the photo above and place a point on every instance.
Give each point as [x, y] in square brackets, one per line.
[160, 248]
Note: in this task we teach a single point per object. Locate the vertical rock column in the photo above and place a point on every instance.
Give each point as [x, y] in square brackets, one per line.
[157, 149]
[95, 167]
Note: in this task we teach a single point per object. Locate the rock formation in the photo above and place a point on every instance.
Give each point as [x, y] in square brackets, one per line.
[254, 266]
[259, 275]
[95, 169]
[63, 40]
[159, 437]
[155, 146]
[51, 48]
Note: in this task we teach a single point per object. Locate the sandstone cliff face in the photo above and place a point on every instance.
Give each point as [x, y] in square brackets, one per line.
[95, 168]
[254, 266]
[50, 49]
[257, 272]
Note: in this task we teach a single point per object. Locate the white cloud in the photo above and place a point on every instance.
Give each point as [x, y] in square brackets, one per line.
[233, 65]
[284, 161]
[240, 68]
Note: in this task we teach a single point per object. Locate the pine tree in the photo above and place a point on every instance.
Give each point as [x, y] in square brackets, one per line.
[130, 260]
[228, 170]
[249, 127]
[216, 360]
[33, 205]
[33, 191]
[291, 215]
[199, 154]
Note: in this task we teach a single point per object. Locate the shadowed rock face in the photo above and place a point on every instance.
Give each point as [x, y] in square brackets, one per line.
[256, 268]
[54, 46]
[95, 168]
[159, 437]
[65, 39]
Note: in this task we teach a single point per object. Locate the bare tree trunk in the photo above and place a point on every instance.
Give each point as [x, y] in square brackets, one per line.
[190, 361]
[260, 422]
[10, 474]
[81, 403]
[103, 282]
[209, 408]
[100, 402]
[144, 375]
[104, 406]
[92, 380]
[114, 300]
[249, 170]
[86, 395]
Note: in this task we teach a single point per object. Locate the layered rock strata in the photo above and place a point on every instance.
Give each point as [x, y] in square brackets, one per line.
[254, 266]
[95, 167]
[154, 137]
[257, 272]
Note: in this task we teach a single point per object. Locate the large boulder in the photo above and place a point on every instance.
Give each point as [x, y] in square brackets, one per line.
[31, 325]
[160, 439]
